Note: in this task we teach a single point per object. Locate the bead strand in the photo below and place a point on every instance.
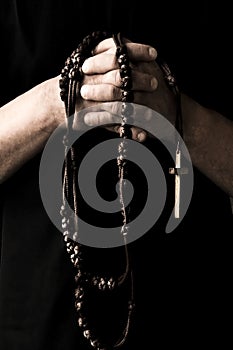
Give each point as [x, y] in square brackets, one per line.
[71, 77]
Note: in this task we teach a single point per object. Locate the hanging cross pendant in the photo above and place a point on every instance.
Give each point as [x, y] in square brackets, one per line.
[177, 171]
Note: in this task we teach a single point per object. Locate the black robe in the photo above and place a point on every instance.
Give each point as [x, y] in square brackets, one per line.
[182, 280]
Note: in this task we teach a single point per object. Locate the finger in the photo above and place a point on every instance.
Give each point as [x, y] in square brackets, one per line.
[140, 81]
[105, 61]
[111, 113]
[105, 45]
[138, 134]
[136, 51]
[101, 63]
[103, 93]
[109, 93]
[101, 118]
[100, 92]
[140, 116]
[141, 52]
[104, 118]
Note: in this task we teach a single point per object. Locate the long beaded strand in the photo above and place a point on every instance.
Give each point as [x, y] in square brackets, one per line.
[71, 78]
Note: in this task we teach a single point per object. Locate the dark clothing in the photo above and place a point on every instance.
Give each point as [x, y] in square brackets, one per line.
[182, 280]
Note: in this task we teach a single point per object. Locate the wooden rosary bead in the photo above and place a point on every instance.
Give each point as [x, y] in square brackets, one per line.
[71, 77]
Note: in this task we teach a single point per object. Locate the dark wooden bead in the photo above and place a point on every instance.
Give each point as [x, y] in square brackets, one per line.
[87, 333]
[126, 83]
[71, 72]
[79, 293]
[78, 276]
[127, 109]
[131, 305]
[123, 59]
[127, 96]
[63, 95]
[94, 343]
[127, 132]
[125, 72]
[78, 305]
[82, 322]
[111, 284]
[120, 50]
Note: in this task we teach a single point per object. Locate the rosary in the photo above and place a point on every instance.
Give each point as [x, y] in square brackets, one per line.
[177, 170]
[70, 83]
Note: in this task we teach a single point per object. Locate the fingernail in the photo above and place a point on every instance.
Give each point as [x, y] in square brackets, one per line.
[152, 53]
[141, 136]
[154, 83]
[85, 67]
[88, 120]
[84, 91]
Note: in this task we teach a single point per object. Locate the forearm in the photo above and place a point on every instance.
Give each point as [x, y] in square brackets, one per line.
[26, 124]
[209, 138]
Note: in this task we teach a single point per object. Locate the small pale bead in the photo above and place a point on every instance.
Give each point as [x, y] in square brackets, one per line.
[87, 333]
[94, 343]
[79, 305]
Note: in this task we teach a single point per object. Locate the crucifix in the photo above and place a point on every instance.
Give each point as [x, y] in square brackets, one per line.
[177, 171]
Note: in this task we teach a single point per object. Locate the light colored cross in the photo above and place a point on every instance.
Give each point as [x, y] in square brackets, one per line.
[177, 171]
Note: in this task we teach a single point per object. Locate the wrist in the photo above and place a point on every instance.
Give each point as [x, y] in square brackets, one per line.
[54, 108]
[193, 125]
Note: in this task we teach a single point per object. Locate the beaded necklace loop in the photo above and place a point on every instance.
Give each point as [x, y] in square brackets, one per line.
[70, 82]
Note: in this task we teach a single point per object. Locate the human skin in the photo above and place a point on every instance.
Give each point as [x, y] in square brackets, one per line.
[28, 121]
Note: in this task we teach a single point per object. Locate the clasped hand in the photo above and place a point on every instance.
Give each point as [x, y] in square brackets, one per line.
[102, 85]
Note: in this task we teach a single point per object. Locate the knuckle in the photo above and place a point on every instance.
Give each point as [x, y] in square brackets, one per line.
[117, 77]
[148, 115]
[98, 118]
[116, 128]
[114, 92]
[116, 108]
[153, 83]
